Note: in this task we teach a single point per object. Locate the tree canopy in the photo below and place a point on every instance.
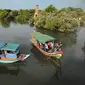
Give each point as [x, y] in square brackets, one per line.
[50, 8]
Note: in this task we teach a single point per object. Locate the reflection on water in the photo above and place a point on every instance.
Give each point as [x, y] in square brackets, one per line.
[5, 24]
[9, 70]
[42, 60]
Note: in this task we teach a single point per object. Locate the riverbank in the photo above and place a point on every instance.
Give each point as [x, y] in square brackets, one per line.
[64, 20]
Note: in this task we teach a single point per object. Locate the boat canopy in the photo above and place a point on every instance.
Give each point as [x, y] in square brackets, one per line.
[10, 47]
[2, 44]
[43, 38]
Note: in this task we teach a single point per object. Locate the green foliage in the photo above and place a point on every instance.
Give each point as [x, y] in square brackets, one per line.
[21, 15]
[50, 8]
[21, 18]
[3, 14]
[40, 21]
[31, 20]
[31, 13]
[50, 22]
[15, 13]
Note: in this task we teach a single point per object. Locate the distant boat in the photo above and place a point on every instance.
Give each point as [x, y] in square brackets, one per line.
[42, 38]
[9, 53]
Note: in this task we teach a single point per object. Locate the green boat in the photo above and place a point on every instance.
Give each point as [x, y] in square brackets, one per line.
[38, 38]
[9, 53]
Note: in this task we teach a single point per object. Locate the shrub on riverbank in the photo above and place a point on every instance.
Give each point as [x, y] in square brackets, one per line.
[21, 15]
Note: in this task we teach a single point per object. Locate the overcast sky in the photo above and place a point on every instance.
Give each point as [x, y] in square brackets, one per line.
[29, 4]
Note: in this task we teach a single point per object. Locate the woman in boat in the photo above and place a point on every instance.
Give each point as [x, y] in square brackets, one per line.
[49, 44]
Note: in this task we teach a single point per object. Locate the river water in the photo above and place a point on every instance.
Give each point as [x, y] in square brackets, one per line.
[38, 71]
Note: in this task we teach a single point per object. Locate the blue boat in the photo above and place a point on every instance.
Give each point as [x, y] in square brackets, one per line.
[9, 53]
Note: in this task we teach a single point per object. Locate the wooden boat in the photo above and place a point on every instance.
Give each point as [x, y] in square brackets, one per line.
[9, 53]
[42, 38]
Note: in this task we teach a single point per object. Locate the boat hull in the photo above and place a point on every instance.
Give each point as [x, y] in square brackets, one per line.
[14, 60]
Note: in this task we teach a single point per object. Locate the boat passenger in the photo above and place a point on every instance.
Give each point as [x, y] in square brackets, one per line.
[46, 46]
[55, 50]
[41, 46]
[56, 45]
[59, 47]
[60, 44]
[51, 45]
[22, 57]
[5, 52]
[0, 54]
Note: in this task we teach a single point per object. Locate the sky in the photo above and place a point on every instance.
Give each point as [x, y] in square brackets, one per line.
[31, 4]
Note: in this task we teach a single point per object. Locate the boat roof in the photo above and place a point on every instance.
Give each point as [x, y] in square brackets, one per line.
[2, 44]
[43, 37]
[10, 47]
